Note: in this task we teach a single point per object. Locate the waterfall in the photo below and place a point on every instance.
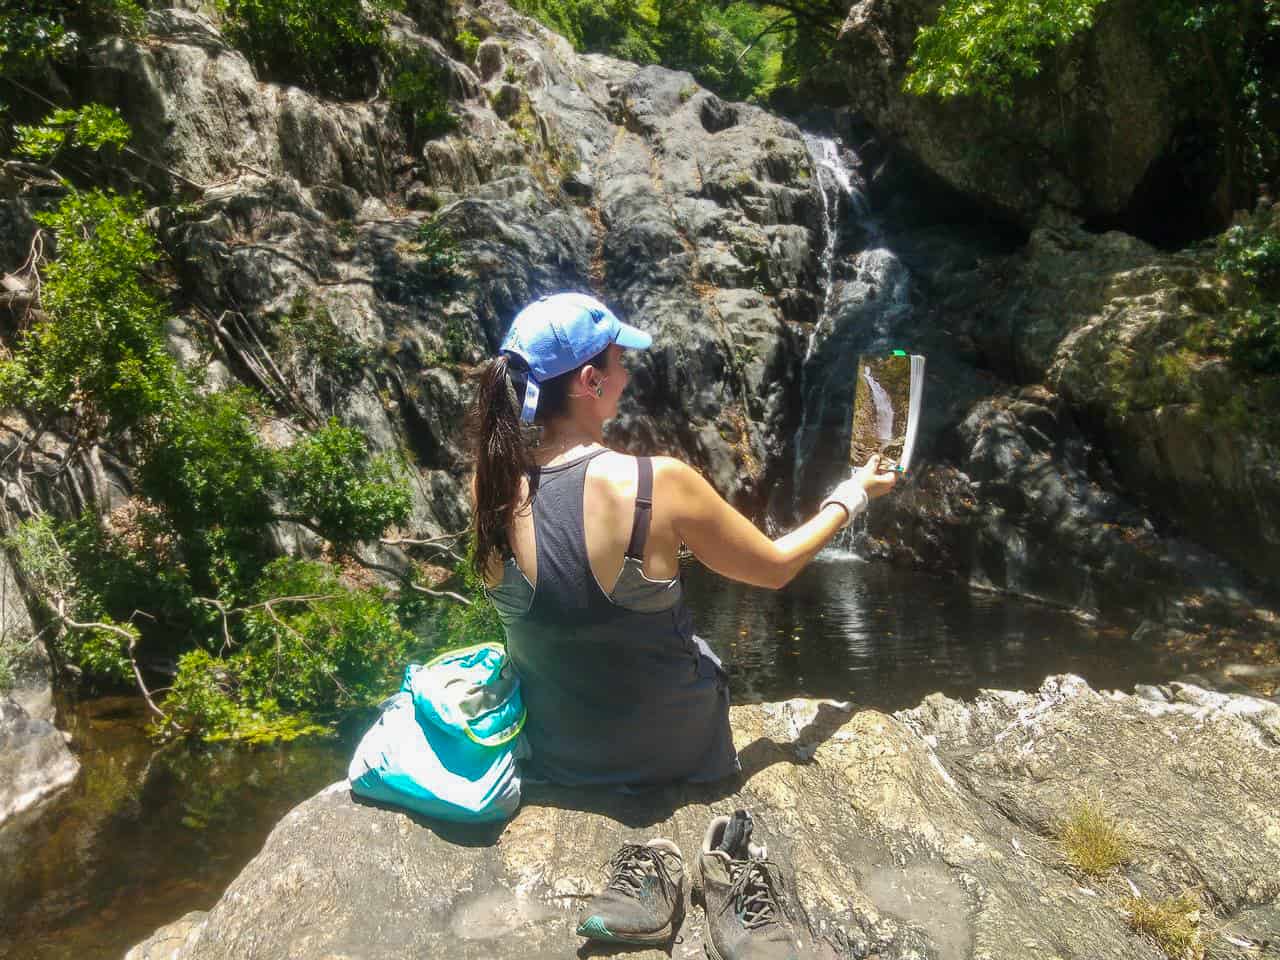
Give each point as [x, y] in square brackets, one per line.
[884, 406]
[863, 298]
[838, 183]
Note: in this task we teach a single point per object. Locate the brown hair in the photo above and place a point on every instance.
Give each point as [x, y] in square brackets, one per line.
[502, 454]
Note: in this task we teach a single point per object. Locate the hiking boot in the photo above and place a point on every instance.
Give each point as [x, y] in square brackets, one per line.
[746, 916]
[643, 902]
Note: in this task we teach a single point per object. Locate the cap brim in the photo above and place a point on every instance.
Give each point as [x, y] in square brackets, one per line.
[632, 338]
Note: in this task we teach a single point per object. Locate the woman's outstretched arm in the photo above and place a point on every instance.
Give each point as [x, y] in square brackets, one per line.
[730, 544]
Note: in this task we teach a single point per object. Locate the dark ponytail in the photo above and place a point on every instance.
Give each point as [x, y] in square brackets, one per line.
[502, 458]
[502, 448]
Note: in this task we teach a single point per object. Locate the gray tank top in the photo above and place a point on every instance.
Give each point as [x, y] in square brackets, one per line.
[618, 688]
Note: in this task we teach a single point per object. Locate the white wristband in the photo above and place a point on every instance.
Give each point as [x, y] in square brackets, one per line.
[852, 507]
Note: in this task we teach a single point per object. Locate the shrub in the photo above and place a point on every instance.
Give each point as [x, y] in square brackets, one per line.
[1092, 841]
[49, 567]
[1173, 923]
[98, 356]
[437, 249]
[311, 647]
[1248, 255]
[468, 43]
[316, 43]
[419, 87]
[205, 467]
[31, 34]
[331, 479]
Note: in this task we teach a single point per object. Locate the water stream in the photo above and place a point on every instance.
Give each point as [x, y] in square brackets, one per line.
[864, 298]
[147, 834]
[884, 406]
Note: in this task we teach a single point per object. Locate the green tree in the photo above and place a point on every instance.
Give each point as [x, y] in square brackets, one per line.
[97, 357]
[978, 47]
[1222, 58]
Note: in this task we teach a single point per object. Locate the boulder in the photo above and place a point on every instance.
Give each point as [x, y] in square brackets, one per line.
[1115, 328]
[1080, 137]
[930, 833]
[34, 760]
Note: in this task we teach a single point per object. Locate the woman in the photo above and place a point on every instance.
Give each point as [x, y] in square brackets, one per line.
[578, 546]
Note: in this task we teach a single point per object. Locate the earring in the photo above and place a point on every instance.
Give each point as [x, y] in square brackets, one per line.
[599, 392]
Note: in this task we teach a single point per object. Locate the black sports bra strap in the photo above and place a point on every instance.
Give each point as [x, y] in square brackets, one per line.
[644, 508]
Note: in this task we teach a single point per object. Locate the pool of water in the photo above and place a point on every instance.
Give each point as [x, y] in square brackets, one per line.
[885, 637]
[146, 834]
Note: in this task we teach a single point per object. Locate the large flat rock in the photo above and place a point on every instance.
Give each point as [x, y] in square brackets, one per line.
[928, 834]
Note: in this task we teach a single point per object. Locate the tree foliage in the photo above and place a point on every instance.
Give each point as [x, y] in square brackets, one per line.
[193, 545]
[981, 47]
[92, 127]
[733, 48]
[1222, 58]
[98, 355]
[33, 34]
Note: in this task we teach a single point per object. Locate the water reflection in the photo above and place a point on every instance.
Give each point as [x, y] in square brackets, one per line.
[143, 835]
[886, 638]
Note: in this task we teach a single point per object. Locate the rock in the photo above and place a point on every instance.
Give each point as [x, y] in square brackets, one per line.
[1109, 324]
[1095, 119]
[928, 833]
[167, 942]
[489, 60]
[34, 760]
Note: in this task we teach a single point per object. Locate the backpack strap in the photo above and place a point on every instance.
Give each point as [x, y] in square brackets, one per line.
[644, 508]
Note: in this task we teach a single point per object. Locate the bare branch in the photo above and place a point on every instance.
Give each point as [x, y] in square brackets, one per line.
[431, 541]
[790, 15]
[130, 637]
[408, 581]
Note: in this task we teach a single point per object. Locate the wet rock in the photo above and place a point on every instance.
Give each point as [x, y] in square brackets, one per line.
[925, 834]
[34, 760]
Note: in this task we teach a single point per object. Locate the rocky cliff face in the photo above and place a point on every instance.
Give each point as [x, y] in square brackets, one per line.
[929, 833]
[692, 216]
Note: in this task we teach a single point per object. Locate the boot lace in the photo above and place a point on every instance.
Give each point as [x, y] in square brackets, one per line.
[755, 890]
[628, 868]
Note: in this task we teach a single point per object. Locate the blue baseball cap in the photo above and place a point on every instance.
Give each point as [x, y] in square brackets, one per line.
[557, 333]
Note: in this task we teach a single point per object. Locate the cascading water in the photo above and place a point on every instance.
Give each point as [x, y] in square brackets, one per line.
[864, 297]
[884, 406]
[838, 182]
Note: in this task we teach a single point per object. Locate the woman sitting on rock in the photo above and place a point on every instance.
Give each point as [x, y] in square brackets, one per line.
[578, 546]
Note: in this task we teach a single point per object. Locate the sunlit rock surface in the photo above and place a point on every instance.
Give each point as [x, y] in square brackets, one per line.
[925, 834]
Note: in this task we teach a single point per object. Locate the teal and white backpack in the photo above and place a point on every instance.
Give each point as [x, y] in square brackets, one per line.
[446, 744]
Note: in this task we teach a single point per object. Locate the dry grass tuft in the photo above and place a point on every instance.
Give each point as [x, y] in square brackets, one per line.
[1092, 841]
[1173, 923]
